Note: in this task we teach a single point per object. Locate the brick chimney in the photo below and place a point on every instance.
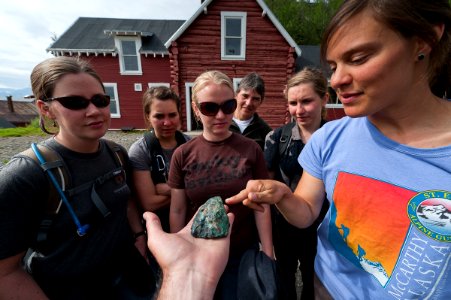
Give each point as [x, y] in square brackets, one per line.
[10, 103]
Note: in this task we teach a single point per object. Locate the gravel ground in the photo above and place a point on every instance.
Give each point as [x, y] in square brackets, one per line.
[12, 145]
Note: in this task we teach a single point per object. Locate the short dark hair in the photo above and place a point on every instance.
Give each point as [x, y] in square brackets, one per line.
[252, 81]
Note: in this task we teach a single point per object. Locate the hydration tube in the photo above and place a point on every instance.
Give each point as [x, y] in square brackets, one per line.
[81, 229]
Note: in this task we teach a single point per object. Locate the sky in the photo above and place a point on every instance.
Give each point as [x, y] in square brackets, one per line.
[27, 27]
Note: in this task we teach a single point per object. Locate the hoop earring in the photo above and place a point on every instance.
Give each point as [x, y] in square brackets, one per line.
[421, 56]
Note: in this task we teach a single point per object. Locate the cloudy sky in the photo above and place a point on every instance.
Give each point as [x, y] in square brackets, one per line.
[27, 27]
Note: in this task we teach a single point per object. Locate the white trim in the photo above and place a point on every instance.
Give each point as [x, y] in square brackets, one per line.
[152, 84]
[138, 87]
[265, 9]
[118, 42]
[334, 105]
[114, 99]
[236, 82]
[242, 16]
[188, 85]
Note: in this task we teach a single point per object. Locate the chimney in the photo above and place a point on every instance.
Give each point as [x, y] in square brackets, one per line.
[10, 103]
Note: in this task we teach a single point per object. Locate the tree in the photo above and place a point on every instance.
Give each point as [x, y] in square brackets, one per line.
[304, 20]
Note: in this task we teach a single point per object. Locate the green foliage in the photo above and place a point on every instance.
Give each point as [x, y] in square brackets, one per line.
[32, 129]
[304, 20]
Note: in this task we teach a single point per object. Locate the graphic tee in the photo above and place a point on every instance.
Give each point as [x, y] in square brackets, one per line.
[387, 234]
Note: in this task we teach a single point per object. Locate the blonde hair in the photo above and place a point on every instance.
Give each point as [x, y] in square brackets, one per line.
[313, 76]
[204, 79]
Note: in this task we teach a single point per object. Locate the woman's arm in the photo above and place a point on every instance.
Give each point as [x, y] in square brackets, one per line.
[177, 212]
[300, 208]
[264, 227]
[137, 226]
[146, 192]
[15, 283]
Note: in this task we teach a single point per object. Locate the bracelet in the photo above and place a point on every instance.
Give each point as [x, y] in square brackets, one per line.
[138, 234]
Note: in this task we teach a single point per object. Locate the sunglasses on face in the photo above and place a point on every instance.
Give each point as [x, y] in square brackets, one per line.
[79, 102]
[211, 108]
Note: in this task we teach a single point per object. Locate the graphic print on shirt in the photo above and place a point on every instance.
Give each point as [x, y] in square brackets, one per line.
[401, 237]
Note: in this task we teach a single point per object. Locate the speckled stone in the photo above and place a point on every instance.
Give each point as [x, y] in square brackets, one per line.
[211, 220]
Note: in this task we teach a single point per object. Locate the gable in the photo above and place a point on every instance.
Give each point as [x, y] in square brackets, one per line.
[203, 9]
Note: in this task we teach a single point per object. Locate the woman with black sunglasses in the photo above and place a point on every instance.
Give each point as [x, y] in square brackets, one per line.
[219, 163]
[86, 249]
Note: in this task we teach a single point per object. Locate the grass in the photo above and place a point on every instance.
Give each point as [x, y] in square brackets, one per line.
[32, 129]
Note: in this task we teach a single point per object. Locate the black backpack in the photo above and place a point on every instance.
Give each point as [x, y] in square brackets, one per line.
[285, 137]
[158, 168]
[61, 185]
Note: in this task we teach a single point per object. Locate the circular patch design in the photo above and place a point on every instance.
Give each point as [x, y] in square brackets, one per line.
[430, 212]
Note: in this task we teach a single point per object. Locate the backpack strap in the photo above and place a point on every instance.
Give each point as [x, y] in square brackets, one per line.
[158, 168]
[49, 160]
[285, 137]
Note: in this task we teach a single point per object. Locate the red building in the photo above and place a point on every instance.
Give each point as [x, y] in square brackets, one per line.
[233, 36]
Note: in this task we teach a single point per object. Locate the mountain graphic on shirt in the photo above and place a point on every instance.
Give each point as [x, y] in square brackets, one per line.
[369, 223]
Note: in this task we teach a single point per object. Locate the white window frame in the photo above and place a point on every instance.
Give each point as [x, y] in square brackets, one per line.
[152, 84]
[336, 103]
[118, 42]
[236, 83]
[114, 99]
[233, 15]
[188, 87]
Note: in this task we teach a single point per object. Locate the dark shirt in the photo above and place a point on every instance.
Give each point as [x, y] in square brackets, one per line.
[257, 130]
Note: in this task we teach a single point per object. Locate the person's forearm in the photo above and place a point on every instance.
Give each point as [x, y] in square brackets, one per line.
[20, 285]
[134, 217]
[187, 285]
[264, 227]
[296, 211]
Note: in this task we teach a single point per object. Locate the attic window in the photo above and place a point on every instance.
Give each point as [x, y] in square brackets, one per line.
[233, 35]
[130, 60]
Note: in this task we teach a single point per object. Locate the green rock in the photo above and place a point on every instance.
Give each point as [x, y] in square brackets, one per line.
[211, 220]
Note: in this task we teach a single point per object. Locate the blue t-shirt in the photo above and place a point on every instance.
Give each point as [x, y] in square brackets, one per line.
[387, 234]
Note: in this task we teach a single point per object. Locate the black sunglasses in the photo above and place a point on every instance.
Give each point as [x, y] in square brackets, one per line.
[79, 102]
[211, 108]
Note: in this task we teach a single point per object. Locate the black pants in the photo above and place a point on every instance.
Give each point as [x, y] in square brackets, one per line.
[295, 247]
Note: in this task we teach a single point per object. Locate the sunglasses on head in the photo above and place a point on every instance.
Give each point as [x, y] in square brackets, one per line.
[79, 102]
[211, 108]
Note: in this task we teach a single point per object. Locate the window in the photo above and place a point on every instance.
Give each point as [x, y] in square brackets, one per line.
[152, 84]
[111, 90]
[236, 83]
[334, 101]
[130, 59]
[233, 35]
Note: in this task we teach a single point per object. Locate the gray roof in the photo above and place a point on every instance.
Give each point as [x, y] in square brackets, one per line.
[311, 57]
[96, 35]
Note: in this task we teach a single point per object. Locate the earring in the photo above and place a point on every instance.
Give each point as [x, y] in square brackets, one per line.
[421, 56]
[54, 123]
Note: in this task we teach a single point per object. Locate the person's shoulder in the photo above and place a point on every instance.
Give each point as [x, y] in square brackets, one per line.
[21, 164]
[137, 146]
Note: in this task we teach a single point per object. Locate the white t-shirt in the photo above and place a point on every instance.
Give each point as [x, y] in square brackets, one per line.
[242, 124]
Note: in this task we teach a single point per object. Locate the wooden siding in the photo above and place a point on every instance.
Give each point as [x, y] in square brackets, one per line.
[198, 49]
[155, 69]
